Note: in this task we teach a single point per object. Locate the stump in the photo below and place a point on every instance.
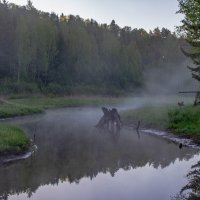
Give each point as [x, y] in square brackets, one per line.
[110, 119]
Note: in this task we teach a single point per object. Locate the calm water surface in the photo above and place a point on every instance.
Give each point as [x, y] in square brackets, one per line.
[76, 161]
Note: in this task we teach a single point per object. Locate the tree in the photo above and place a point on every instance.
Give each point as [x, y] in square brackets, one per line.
[114, 28]
[29, 5]
[72, 53]
[190, 29]
[191, 22]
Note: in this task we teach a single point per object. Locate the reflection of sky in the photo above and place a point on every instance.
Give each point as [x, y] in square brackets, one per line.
[138, 184]
[135, 13]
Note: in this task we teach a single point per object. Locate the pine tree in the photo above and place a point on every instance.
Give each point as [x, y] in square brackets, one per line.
[191, 30]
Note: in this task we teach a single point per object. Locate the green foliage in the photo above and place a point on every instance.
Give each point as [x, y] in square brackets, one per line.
[12, 139]
[191, 23]
[62, 54]
[185, 120]
[11, 110]
[191, 30]
[95, 90]
[149, 116]
[10, 87]
[48, 102]
[55, 89]
[25, 106]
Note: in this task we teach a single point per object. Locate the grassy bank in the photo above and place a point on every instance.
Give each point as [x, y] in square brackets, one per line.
[25, 106]
[55, 102]
[12, 139]
[185, 120]
[150, 116]
[11, 110]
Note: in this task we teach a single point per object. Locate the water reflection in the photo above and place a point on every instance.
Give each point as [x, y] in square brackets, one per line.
[70, 148]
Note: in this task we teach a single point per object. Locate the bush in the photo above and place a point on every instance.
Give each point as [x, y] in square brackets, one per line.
[10, 86]
[97, 89]
[54, 88]
[12, 139]
[185, 120]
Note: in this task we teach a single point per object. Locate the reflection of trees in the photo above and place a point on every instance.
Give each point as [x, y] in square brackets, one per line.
[72, 155]
[4, 197]
[192, 189]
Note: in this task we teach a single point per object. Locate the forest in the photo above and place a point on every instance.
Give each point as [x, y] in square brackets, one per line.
[70, 73]
[44, 52]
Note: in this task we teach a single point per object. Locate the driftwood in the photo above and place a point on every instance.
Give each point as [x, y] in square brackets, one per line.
[138, 126]
[110, 119]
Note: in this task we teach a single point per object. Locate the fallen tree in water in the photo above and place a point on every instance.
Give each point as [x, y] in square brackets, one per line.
[110, 119]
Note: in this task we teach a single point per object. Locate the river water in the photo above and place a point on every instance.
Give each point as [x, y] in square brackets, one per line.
[76, 161]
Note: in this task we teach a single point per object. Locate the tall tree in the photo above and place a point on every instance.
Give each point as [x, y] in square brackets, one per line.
[191, 31]
[70, 52]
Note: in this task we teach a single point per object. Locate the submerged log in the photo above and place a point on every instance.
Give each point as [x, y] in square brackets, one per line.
[110, 118]
[138, 126]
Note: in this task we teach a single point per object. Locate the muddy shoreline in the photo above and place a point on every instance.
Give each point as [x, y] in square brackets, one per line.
[186, 139]
[8, 158]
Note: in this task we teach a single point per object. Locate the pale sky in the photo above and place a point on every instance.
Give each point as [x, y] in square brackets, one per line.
[147, 14]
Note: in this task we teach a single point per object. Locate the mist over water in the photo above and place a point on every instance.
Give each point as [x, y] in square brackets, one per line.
[162, 86]
[170, 79]
[77, 161]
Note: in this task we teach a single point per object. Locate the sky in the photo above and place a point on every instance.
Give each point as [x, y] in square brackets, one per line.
[147, 14]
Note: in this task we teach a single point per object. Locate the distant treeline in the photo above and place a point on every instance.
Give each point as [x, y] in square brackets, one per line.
[45, 52]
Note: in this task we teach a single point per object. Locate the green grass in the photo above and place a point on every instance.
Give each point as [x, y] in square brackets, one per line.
[12, 110]
[54, 102]
[185, 120]
[12, 139]
[149, 115]
[26, 106]
[180, 120]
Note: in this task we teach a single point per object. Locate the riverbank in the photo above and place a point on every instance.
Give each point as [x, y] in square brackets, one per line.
[182, 121]
[186, 122]
[13, 140]
[149, 116]
[12, 107]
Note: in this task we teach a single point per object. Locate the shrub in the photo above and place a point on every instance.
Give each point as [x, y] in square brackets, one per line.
[12, 139]
[54, 88]
[10, 86]
[185, 120]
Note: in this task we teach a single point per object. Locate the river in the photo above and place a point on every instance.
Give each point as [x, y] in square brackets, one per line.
[76, 161]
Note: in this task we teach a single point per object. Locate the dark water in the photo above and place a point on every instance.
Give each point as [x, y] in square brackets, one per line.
[75, 161]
